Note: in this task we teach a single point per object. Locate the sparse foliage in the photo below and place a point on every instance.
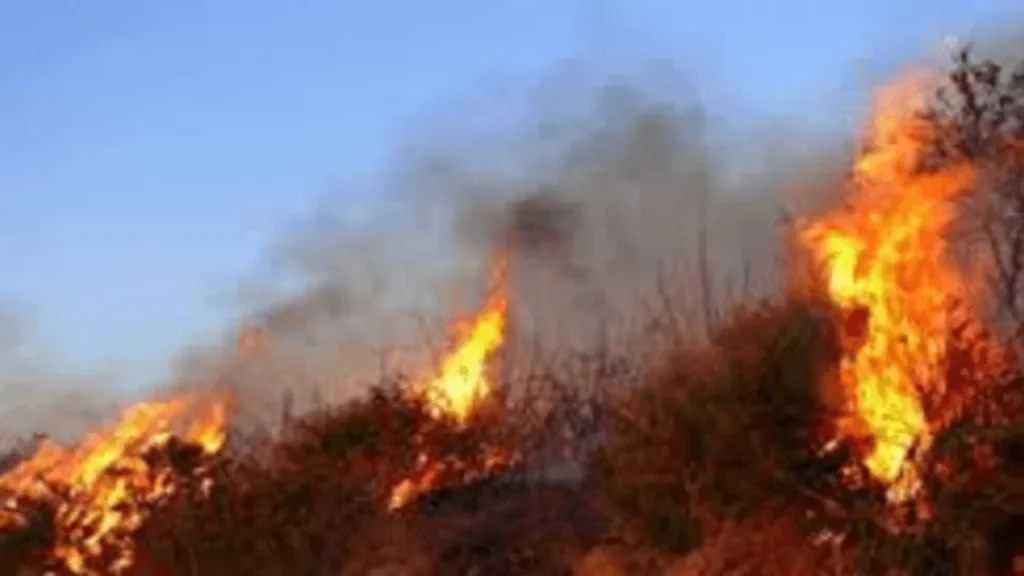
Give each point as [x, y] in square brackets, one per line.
[982, 107]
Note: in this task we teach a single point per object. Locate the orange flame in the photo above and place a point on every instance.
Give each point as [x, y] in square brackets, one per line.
[886, 253]
[462, 382]
[105, 484]
[457, 390]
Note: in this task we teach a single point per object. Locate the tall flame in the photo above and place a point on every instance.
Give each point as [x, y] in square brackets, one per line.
[104, 485]
[886, 254]
[457, 390]
[462, 381]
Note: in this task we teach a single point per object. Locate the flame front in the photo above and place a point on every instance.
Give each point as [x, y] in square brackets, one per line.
[103, 487]
[885, 255]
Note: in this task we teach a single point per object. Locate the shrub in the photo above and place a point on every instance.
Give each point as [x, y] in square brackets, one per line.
[726, 432]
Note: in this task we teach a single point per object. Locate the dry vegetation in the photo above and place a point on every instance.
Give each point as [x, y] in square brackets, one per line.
[706, 460]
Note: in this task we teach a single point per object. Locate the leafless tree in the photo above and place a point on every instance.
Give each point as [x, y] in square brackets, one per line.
[981, 108]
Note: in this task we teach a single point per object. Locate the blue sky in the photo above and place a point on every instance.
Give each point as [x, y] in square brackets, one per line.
[150, 150]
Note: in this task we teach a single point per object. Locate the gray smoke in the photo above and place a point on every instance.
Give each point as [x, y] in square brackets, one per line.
[36, 397]
[619, 206]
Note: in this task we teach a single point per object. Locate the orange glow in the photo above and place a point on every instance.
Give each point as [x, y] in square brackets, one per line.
[431, 474]
[462, 382]
[886, 253]
[107, 482]
[456, 392]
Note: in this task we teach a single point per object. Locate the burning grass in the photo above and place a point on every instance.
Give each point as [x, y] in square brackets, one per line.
[866, 421]
[716, 464]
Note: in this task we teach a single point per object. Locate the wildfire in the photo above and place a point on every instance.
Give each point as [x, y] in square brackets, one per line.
[886, 263]
[103, 487]
[459, 387]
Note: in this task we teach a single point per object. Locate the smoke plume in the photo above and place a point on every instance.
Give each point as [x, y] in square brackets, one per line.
[618, 207]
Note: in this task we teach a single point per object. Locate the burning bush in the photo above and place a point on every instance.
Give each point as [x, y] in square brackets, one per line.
[735, 441]
[323, 498]
[81, 508]
[872, 411]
